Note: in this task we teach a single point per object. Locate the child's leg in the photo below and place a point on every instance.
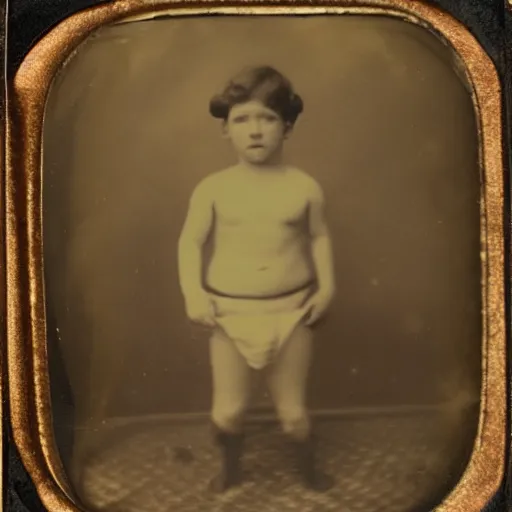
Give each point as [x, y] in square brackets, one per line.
[287, 383]
[231, 390]
[231, 383]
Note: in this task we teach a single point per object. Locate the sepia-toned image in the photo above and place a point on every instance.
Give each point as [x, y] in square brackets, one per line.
[262, 265]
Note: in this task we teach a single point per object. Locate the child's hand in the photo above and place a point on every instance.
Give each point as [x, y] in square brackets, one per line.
[317, 305]
[200, 310]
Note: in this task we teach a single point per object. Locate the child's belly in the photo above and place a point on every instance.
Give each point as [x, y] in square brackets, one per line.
[259, 266]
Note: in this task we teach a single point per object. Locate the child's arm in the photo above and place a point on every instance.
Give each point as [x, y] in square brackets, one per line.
[190, 254]
[321, 248]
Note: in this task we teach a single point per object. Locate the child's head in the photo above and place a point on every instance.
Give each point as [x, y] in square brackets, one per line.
[259, 108]
[262, 83]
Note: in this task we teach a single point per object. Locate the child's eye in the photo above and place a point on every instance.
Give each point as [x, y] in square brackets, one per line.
[240, 119]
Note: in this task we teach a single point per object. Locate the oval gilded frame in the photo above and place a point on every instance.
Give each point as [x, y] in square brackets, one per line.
[29, 395]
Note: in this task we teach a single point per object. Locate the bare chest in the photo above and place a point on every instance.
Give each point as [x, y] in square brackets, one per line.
[266, 205]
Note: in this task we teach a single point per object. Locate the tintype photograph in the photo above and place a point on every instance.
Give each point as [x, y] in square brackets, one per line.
[264, 259]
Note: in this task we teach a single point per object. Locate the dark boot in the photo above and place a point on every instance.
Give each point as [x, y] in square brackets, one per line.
[312, 477]
[230, 475]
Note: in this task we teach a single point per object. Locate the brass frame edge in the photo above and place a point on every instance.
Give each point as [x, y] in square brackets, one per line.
[29, 398]
[3, 329]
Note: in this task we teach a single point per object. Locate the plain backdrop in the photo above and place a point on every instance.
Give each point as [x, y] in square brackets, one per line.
[388, 130]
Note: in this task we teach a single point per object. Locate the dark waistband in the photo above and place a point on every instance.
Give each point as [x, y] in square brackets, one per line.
[301, 288]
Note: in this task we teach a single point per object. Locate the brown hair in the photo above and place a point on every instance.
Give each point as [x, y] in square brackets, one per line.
[264, 83]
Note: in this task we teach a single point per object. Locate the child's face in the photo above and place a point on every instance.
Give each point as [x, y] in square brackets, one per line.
[256, 132]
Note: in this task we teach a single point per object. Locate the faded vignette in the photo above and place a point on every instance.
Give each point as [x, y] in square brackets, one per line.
[26, 323]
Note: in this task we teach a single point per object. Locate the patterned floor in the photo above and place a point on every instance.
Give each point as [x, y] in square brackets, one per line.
[394, 463]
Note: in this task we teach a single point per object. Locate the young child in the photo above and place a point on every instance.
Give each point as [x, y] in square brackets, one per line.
[270, 274]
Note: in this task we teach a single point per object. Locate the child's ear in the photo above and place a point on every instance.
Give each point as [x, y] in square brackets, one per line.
[224, 129]
[288, 129]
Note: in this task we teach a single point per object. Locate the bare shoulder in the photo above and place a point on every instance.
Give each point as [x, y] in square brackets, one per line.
[208, 188]
[310, 187]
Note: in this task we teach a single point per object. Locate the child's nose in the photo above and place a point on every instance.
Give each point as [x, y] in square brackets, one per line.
[255, 128]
